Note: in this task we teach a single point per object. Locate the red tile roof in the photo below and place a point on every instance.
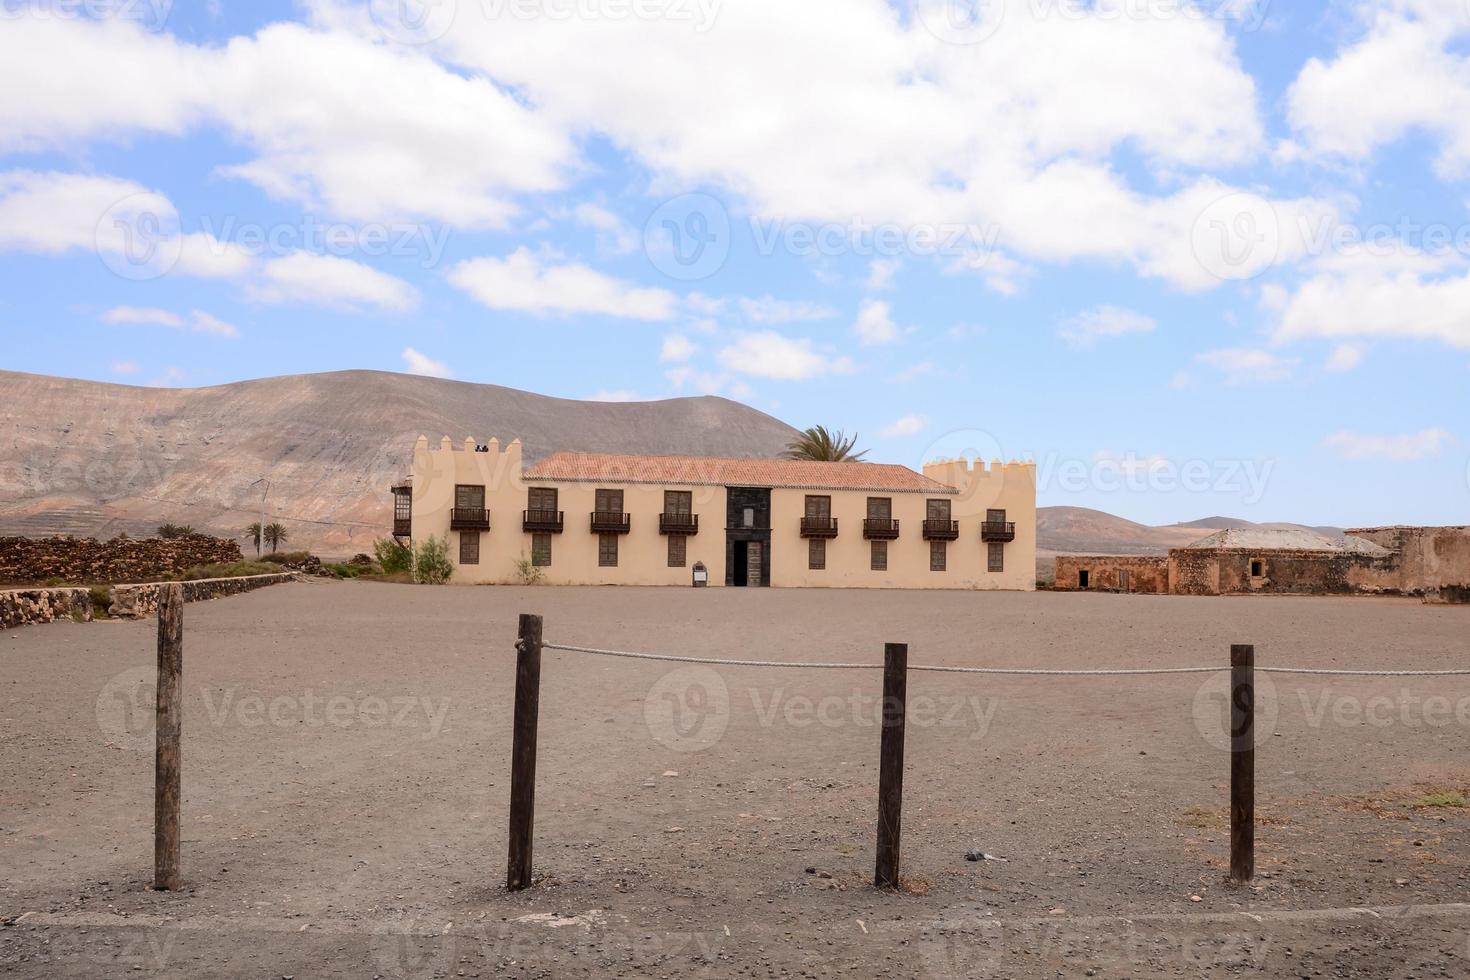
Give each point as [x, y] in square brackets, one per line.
[714, 471]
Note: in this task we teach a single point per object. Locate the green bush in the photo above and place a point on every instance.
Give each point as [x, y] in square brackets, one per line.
[287, 557]
[234, 569]
[528, 571]
[393, 555]
[350, 569]
[431, 564]
[171, 530]
[101, 601]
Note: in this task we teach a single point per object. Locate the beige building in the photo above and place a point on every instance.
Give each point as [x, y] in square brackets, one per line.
[600, 519]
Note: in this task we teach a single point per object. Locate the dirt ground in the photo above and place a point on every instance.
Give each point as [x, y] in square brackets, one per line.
[346, 782]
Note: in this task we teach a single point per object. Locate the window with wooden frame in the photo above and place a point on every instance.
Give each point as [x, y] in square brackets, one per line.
[541, 500]
[541, 550]
[997, 557]
[680, 502]
[678, 550]
[607, 550]
[469, 548]
[880, 556]
[609, 501]
[469, 497]
[816, 553]
[995, 517]
[938, 556]
[937, 510]
[880, 508]
[819, 508]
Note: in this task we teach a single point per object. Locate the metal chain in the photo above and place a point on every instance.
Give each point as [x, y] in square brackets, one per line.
[1015, 671]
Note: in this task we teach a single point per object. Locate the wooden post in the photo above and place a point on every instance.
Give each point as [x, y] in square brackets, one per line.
[523, 753]
[890, 763]
[1242, 763]
[167, 730]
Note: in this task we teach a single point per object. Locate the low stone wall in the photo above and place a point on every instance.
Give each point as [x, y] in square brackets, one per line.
[44, 606]
[138, 601]
[117, 560]
[22, 606]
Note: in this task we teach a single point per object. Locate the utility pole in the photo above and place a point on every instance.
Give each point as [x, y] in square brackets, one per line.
[260, 538]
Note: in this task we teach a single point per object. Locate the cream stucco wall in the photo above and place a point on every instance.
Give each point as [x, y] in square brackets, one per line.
[643, 553]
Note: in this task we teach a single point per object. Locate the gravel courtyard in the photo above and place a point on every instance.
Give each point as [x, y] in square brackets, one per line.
[346, 752]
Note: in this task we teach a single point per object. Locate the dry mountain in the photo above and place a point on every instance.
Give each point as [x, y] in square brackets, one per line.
[87, 458]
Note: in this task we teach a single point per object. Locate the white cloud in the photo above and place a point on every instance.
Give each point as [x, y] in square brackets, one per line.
[708, 382]
[1344, 357]
[1408, 72]
[137, 314]
[875, 323]
[198, 321]
[418, 363]
[768, 309]
[614, 237]
[124, 367]
[336, 120]
[867, 100]
[1130, 464]
[327, 280]
[677, 348]
[1083, 331]
[170, 377]
[621, 395]
[522, 281]
[1395, 448]
[767, 354]
[881, 273]
[1245, 366]
[1399, 293]
[908, 425]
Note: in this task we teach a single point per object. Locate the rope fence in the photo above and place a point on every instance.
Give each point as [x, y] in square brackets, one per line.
[1013, 671]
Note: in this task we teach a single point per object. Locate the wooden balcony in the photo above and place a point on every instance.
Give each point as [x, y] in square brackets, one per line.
[941, 530]
[1000, 531]
[402, 527]
[685, 524]
[545, 521]
[819, 527]
[469, 519]
[880, 529]
[611, 522]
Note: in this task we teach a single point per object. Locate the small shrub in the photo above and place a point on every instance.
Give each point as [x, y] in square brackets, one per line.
[393, 555]
[236, 569]
[53, 583]
[169, 531]
[431, 564]
[101, 601]
[1448, 799]
[528, 572]
[287, 557]
[350, 569]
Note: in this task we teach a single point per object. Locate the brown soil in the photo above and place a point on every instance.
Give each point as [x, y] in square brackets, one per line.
[345, 787]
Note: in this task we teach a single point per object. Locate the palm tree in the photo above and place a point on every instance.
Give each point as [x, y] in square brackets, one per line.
[820, 445]
[275, 536]
[252, 532]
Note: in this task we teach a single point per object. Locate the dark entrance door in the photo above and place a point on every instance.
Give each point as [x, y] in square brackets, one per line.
[748, 536]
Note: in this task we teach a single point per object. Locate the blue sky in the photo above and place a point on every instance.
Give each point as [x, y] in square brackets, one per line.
[1191, 258]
